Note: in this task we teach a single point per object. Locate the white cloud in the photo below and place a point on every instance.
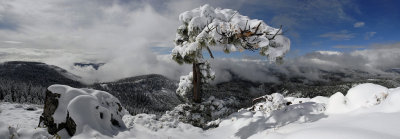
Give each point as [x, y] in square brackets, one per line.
[359, 24]
[375, 60]
[340, 35]
[330, 52]
[122, 35]
[12, 42]
[349, 46]
[369, 35]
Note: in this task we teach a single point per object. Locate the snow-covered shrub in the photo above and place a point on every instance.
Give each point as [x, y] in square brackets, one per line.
[80, 109]
[197, 114]
[270, 103]
[149, 121]
[279, 108]
[185, 85]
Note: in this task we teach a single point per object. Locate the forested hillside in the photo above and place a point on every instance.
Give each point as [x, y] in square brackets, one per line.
[26, 82]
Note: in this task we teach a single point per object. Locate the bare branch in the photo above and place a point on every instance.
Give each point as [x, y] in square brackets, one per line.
[232, 16]
[209, 30]
[276, 33]
[284, 31]
[209, 51]
[245, 26]
[216, 30]
[255, 32]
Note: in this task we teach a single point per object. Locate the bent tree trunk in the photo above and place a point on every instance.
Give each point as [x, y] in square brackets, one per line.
[196, 83]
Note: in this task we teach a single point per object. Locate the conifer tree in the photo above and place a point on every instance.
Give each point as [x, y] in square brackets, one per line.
[206, 27]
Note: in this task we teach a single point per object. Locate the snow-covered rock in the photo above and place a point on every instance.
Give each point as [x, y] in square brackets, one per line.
[363, 95]
[79, 109]
[366, 95]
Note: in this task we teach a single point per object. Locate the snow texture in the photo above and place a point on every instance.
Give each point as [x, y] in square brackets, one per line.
[185, 85]
[19, 121]
[368, 111]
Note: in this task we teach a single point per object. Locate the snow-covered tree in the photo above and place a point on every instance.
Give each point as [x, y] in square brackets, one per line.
[206, 27]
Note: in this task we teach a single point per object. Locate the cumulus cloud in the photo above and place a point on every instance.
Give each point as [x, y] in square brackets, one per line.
[129, 36]
[359, 24]
[377, 59]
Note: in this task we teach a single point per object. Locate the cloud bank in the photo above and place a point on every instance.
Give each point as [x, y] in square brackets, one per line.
[375, 61]
[135, 37]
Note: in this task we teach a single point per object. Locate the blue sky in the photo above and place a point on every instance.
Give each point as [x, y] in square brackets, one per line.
[318, 25]
[332, 25]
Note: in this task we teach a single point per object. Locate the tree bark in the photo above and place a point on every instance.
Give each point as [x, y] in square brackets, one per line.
[196, 83]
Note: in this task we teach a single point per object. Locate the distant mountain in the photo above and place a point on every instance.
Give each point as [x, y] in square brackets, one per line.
[95, 66]
[37, 73]
[395, 70]
[26, 82]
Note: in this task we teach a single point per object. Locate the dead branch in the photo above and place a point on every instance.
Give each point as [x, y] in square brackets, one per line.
[273, 37]
[232, 16]
[255, 32]
[216, 30]
[209, 51]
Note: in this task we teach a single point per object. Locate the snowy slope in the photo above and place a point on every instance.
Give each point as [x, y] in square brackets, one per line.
[20, 121]
[312, 118]
[367, 111]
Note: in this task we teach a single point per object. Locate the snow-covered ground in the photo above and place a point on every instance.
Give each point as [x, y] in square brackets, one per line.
[20, 121]
[368, 111]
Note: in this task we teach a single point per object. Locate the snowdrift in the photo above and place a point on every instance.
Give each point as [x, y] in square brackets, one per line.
[367, 111]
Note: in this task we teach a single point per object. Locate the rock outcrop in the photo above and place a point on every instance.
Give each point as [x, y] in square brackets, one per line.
[71, 109]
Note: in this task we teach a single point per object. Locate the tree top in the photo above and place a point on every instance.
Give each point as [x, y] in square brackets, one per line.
[207, 26]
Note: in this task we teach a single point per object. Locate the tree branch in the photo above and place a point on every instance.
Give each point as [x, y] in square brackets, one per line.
[209, 51]
[255, 32]
[216, 30]
[232, 16]
[276, 33]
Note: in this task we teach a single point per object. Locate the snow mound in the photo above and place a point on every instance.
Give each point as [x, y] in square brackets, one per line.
[366, 95]
[272, 114]
[89, 109]
[363, 95]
